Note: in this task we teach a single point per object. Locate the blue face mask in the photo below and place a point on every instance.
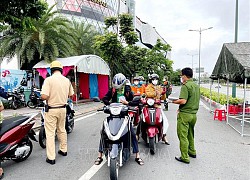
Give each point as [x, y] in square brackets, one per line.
[140, 82]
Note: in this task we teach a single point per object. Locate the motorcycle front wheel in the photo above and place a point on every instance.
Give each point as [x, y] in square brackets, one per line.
[31, 105]
[42, 137]
[114, 168]
[152, 145]
[25, 154]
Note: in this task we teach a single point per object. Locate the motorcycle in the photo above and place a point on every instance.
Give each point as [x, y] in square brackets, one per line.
[35, 99]
[69, 123]
[15, 138]
[116, 135]
[16, 98]
[151, 124]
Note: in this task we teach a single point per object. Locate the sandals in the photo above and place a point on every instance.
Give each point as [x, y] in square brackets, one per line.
[164, 140]
[139, 161]
[98, 161]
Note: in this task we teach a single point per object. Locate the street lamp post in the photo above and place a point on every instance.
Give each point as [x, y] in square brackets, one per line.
[200, 30]
[192, 59]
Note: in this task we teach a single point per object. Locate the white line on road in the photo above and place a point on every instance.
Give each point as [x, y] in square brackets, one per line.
[91, 172]
[84, 117]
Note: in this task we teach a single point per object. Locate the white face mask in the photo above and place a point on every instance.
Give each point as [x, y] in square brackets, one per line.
[136, 82]
[155, 82]
[181, 80]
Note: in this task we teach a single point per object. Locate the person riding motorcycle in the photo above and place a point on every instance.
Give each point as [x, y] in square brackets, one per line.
[153, 90]
[136, 87]
[119, 89]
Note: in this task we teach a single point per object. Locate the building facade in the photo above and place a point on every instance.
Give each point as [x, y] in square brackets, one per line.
[94, 12]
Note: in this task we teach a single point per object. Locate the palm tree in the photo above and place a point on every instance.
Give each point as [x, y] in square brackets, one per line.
[84, 37]
[46, 39]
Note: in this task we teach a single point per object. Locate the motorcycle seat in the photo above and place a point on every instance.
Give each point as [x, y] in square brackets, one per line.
[10, 123]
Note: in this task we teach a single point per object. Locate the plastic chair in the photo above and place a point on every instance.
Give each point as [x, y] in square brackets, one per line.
[220, 114]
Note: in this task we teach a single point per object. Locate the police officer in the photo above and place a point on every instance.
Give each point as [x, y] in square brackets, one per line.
[188, 106]
[56, 90]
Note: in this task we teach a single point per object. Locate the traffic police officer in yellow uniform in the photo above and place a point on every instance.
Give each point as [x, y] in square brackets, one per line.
[56, 90]
[186, 119]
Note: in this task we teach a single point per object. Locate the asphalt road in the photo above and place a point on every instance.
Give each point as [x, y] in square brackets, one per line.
[221, 154]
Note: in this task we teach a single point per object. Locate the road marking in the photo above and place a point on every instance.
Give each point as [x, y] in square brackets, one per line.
[207, 108]
[84, 117]
[92, 171]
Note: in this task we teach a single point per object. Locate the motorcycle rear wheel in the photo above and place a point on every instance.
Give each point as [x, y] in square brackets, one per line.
[24, 157]
[71, 124]
[42, 137]
[14, 105]
[31, 105]
[152, 145]
[114, 169]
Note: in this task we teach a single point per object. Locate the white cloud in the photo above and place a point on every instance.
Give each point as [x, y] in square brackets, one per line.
[173, 19]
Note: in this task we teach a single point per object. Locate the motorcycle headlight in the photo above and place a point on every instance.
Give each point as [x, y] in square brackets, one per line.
[115, 110]
[150, 102]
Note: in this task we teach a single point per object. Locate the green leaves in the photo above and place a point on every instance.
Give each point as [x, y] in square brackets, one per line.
[46, 38]
[18, 14]
[221, 98]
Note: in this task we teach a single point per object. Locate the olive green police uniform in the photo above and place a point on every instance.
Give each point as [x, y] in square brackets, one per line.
[186, 118]
[58, 88]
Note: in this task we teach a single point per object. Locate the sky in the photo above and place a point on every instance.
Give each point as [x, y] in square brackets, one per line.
[174, 18]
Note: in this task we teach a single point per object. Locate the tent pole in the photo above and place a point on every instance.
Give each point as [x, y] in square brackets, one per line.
[210, 102]
[227, 99]
[244, 106]
[218, 90]
[75, 83]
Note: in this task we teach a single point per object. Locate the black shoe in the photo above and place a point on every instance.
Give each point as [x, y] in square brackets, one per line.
[52, 162]
[180, 160]
[62, 153]
[192, 156]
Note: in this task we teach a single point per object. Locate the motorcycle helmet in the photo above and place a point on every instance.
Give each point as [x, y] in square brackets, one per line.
[154, 76]
[56, 65]
[136, 81]
[118, 81]
[141, 78]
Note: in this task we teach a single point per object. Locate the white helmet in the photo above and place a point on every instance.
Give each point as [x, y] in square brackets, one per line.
[118, 81]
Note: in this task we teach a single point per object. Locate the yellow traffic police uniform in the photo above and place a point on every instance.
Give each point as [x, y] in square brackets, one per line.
[58, 88]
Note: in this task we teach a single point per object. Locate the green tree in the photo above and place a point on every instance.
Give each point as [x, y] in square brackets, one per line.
[175, 77]
[46, 39]
[19, 14]
[84, 35]
[111, 50]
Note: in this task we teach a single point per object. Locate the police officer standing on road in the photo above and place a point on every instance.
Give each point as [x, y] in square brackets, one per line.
[56, 90]
[189, 104]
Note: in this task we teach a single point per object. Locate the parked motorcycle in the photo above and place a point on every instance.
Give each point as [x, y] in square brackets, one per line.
[16, 98]
[151, 125]
[35, 99]
[116, 136]
[69, 123]
[15, 135]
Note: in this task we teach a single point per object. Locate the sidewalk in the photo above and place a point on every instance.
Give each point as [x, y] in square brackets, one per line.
[80, 109]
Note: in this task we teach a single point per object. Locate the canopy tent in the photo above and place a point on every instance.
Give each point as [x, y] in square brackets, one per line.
[90, 64]
[233, 65]
[93, 73]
